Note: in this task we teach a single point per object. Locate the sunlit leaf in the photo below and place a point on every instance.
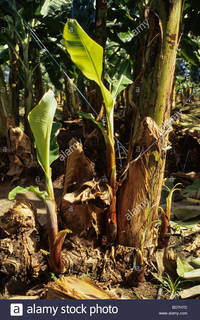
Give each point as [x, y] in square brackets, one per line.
[41, 120]
[169, 200]
[182, 267]
[120, 85]
[45, 7]
[87, 55]
[19, 190]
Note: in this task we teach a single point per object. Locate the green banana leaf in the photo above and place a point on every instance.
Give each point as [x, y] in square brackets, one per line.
[189, 50]
[19, 190]
[182, 267]
[119, 85]
[169, 200]
[41, 122]
[45, 7]
[186, 271]
[88, 56]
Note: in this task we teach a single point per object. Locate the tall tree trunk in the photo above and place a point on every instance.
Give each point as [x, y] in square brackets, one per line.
[5, 106]
[100, 23]
[28, 101]
[38, 81]
[100, 37]
[140, 193]
[14, 84]
[6, 115]
[69, 108]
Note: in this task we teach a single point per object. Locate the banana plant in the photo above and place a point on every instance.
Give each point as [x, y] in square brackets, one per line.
[165, 219]
[88, 57]
[44, 132]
